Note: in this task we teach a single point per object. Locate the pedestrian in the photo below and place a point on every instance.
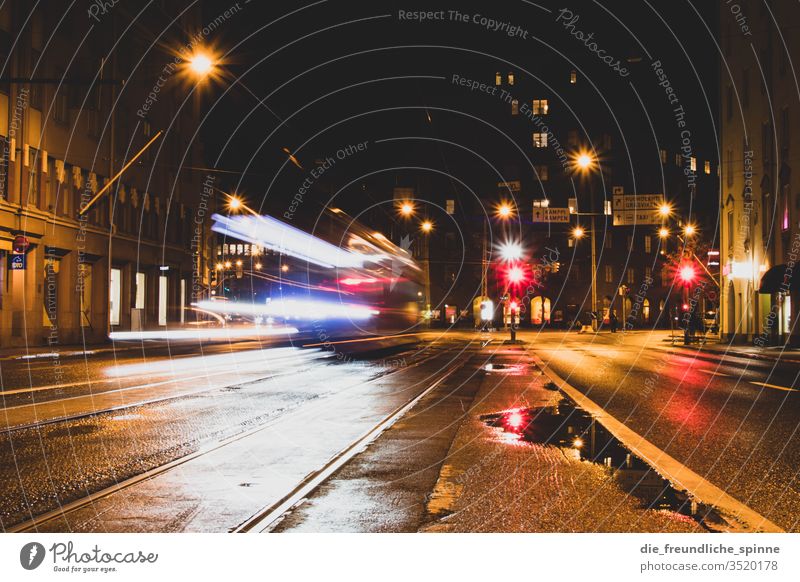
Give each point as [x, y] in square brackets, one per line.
[613, 321]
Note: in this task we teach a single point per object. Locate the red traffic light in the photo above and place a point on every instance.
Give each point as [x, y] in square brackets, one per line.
[687, 273]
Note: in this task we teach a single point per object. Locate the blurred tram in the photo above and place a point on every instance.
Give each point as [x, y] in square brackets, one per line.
[340, 277]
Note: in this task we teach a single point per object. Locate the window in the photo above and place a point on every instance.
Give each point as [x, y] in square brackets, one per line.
[785, 128]
[609, 270]
[540, 107]
[162, 300]
[576, 273]
[631, 276]
[607, 241]
[141, 280]
[61, 107]
[572, 138]
[729, 103]
[514, 107]
[648, 244]
[511, 78]
[663, 156]
[540, 140]
[115, 295]
[498, 79]
[745, 87]
[730, 167]
[678, 160]
[693, 163]
[573, 76]
[648, 274]
[542, 173]
[450, 206]
[707, 167]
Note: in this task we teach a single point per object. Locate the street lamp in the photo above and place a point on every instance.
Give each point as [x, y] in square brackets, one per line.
[510, 251]
[406, 209]
[689, 230]
[663, 232]
[665, 210]
[426, 226]
[201, 64]
[234, 202]
[504, 211]
[584, 163]
[578, 232]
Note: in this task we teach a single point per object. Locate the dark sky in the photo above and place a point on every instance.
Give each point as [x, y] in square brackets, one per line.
[336, 73]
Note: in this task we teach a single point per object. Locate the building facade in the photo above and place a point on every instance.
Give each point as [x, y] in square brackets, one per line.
[759, 200]
[73, 113]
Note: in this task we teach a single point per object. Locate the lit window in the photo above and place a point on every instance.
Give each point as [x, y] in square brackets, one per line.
[451, 207]
[631, 276]
[663, 156]
[693, 163]
[498, 79]
[540, 107]
[648, 273]
[609, 274]
[542, 173]
[647, 244]
[514, 107]
[540, 140]
[707, 167]
[511, 78]
[678, 160]
[572, 138]
[573, 76]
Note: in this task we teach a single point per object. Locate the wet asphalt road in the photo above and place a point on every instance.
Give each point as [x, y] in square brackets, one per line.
[713, 414]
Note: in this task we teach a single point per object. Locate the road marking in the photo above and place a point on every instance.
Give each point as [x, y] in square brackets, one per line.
[776, 387]
[678, 474]
[712, 372]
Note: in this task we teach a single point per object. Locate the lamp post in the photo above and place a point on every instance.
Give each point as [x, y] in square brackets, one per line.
[584, 163]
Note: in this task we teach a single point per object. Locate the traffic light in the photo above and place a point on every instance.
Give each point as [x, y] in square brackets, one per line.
[554, 267]
[687, 274]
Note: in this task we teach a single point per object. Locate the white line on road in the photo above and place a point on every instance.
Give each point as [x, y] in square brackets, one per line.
[775, 386]
[712, 372]
[681, 476]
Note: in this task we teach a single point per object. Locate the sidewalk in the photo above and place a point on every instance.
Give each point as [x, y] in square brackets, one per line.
[493, 483]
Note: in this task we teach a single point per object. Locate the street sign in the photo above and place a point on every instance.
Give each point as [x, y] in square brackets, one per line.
[550, 214]
[512, 186]
[636, 209]
[18, 262]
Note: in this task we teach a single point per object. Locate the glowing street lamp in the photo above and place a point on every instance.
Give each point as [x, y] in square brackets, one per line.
[578, 232]
[663, 232]
[407, 209]
[689, 230]
[504, 211]
[510, 251]
[201, 64]
[235, 203]
[665, 210]
[583, 161]
[426, 226]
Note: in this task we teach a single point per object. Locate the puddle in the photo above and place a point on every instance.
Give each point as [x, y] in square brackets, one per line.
[582, 437]
[511, 369]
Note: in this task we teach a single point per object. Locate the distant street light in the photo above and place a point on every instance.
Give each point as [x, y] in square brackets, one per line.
[663, 232]
[665, 210]
[510, 251]
[504, 211]
[689, 230]
[201, 64]
[578, 232]
[407, 209]
[426, 226]
[234, 202]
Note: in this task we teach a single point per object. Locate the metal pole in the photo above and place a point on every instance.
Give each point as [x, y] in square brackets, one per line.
[594, 276]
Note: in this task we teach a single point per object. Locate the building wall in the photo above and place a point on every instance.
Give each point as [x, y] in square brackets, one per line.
[63, 139]
[758, 190]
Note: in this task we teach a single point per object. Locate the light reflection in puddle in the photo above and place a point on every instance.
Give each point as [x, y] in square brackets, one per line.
[581, 437]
